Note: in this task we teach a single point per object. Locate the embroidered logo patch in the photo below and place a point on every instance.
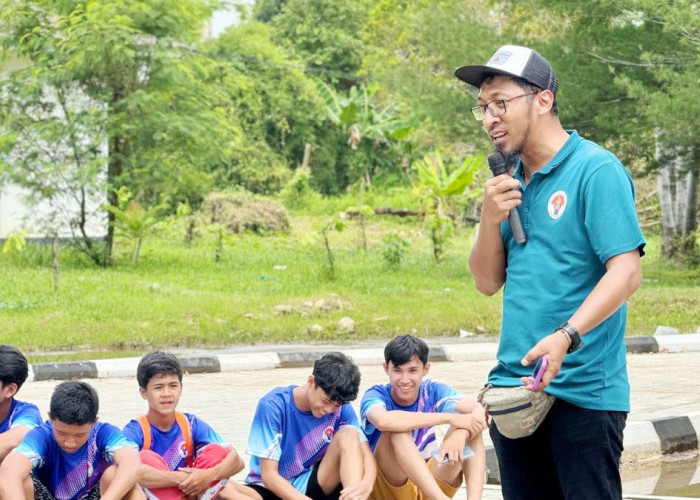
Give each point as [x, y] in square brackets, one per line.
[500, 58]
[328, 434]
[556, 205]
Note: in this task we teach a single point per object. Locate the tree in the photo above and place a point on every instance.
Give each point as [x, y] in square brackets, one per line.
[122, 79]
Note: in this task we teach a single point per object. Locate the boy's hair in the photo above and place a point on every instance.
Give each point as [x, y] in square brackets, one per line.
[401, 349]
[337, 376]
[74, 403]
[157, 363]
[13, 366]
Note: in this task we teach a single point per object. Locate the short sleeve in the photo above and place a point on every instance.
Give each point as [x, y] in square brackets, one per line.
[446, 398]
[610, 216]
[110, 439]
[374, 396]
[133, 432]
[202, 433]
[35, 446]
[265, 436]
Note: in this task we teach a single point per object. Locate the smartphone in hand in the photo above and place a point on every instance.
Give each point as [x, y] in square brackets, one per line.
[538, 371]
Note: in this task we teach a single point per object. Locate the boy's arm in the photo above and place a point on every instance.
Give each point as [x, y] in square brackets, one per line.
[11, 438]
[13, 471]
[150, 477]
[127, 475]
[404, 421]
[198, 480]
[269, 470]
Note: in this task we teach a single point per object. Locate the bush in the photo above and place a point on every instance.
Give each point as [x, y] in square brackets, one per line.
[242, 211]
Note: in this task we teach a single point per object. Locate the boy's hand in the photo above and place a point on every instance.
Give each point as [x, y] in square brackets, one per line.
[197, 482]
[452, 448]
[474, 425]
[358, 491]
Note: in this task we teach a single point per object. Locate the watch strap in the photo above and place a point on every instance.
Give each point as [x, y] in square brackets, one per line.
[573, 335]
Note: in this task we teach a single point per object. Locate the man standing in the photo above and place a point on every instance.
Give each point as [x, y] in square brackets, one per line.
[565, 287]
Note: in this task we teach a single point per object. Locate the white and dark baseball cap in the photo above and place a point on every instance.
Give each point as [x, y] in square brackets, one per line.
[515, 61]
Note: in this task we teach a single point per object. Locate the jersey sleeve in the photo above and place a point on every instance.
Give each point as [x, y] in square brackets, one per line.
[133, 432]
[610, 215]
[265, 437]
[110, 439]
[374, 396]
[202, 433]
[348, 418]
[35, 446]
[27, 416]
[446, 398]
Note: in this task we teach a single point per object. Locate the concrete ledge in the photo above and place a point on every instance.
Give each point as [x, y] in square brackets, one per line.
[251, 361]
[209, 364]
[124, 367]
[641, 441]
[641, 345]
[676, 434]
[677, 343]
[64, 371]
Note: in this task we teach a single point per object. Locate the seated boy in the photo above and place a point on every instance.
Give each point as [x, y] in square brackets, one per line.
[16, 417]
[72, 456]
[306, 442]
[398, 419]
[182, 455]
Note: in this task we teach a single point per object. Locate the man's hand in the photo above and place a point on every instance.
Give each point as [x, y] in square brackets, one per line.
[554, 346]
[501, 194]
[452, 448]
[197, 481]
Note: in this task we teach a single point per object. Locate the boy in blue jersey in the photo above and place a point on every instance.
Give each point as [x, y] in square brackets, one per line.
[306, 442]
[182, 456]
[398, 419]
[16, 417]
[72, 456]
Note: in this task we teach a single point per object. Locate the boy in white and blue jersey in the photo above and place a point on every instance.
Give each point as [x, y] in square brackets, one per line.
[16, 417]
[306, 441]
[398, 419]
[182, 456]
[72, 456]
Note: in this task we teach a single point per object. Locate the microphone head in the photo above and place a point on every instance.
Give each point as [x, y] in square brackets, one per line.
[499, 162]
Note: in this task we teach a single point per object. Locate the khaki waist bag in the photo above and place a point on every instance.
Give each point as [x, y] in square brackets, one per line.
[516, 411]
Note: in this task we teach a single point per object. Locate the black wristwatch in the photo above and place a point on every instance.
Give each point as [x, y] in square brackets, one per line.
[575, 338]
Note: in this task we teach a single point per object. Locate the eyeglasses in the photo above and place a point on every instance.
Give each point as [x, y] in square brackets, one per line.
[496, 108]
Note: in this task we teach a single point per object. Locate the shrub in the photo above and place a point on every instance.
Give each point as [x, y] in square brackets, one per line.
[242, 211]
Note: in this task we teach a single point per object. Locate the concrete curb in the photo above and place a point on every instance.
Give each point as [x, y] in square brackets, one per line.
[643, 439]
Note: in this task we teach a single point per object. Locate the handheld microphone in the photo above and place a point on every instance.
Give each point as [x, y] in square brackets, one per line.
[499, 164]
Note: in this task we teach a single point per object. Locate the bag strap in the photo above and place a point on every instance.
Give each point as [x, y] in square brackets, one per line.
[187, 434]
[146, 430]
[184, 425]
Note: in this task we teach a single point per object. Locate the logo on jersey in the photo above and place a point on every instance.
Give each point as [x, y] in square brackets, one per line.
[182, 449]
[556, 205]
[328, 434]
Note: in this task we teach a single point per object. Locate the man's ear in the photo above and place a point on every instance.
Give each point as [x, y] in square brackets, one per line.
[426, 368]
[545, 101]
[386, 367]
[142, 391]
[311, 381]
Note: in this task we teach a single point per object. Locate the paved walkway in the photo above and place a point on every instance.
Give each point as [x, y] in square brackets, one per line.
[663, 385]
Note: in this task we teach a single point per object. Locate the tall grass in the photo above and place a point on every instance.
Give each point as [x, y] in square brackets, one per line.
[180, 297]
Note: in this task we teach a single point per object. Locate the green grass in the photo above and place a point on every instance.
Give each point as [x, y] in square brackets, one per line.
[179, 297]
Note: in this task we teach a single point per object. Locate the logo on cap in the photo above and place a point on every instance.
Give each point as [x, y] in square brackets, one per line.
[556, 205]
[500, 58]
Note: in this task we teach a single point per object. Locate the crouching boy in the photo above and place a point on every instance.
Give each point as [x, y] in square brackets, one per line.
[72, 456]
[183, 457]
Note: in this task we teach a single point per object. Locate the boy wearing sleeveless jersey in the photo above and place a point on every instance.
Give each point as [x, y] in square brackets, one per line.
[16, 417]
[182, 456]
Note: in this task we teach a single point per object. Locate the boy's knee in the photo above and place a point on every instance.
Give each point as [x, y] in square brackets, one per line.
[210, 456]
[107, 477]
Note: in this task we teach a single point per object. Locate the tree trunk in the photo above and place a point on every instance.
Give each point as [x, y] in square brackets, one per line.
[677, 182]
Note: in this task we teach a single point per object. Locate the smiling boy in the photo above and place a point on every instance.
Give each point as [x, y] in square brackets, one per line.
[398, 419]
[72, 456]
[182, 455]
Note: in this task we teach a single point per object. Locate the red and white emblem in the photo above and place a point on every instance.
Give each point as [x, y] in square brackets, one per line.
[556, 205]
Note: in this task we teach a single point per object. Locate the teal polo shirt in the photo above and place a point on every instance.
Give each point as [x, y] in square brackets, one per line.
[577, 212]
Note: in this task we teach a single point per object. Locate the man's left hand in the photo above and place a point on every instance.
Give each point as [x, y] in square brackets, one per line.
[554, 346]
[197, 481]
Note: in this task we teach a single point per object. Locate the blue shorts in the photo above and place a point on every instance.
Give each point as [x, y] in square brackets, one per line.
[573, 455]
